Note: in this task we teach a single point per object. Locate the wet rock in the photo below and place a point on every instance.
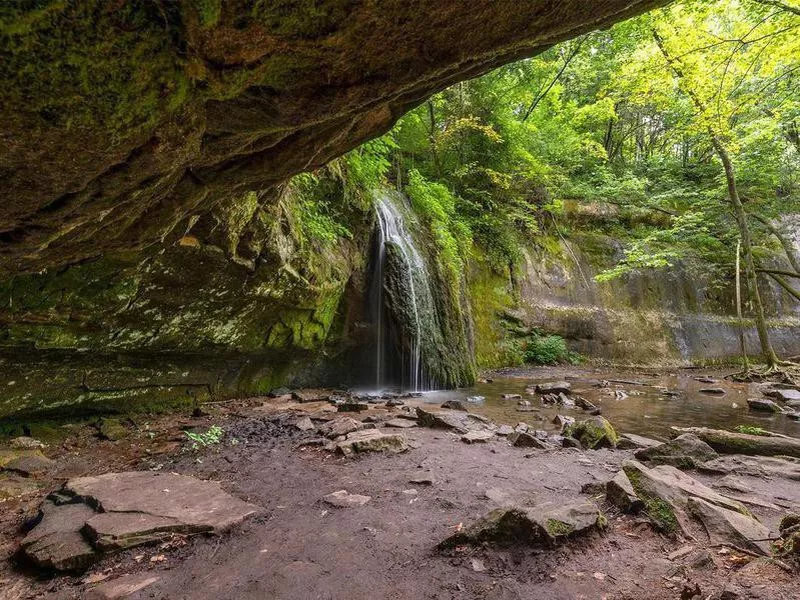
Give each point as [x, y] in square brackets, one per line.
[477, 437]
[629, 441]
[665, 492]
[763, 405]
[122, 587]
[57, 542]
[547, 525]
[726, 526]
[705, 379]
[29, 465]
[310, 395]
[304, 424]
[476, 399]
[504, 430]
[553, 387]
[511, 396]
[278, 392]
[111, 429]
[595, 432]
[340, 426]
[350, 406]
[454, 405]
[372, 440]
[728, 442]
[686, 451]
[584, 404]
[394, 402]
[714, 391]
[521, 427]
[344, 499]
[566, 401]
[526, 440]
[787, 395]
[400, 423]
[621, 494]
[26, 443]
[525, 406]
[570, 442]
[458, 421]
[563, 421]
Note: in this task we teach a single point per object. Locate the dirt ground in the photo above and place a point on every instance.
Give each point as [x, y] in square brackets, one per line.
[300, 548]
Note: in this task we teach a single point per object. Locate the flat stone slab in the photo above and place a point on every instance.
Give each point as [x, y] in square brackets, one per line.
[477, 437]
[122, 587]
[553, 387]
[400, 423]
[344, 499]
[785, 395]
[57, 542]
[756, 466]
[121, 510]
[686, 451]
[340, 426]
[763, 405]
[730, 527]
[454, 420]
[372, 440]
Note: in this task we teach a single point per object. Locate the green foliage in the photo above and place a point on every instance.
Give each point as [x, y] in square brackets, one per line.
[211, 437]
[752, 430]
[546, 350]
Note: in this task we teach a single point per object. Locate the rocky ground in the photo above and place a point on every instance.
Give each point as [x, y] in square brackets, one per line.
[361, 500]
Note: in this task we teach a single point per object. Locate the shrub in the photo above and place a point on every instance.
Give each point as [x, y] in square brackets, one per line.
[546, 350]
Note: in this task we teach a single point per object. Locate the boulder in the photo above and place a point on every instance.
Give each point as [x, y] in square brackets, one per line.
[477, 437]
[454, 405]
[545, 525]
[504, 430]
[714, 391]
[304, 424]
[787, 395]
[111, 429]
[763, 405]
[665, 491]
[344, 499]
[526, 440]
[563, 421]
[726, 526]
[553, 387]
[26, 443]
[621, 494]
[686, 451]
[595, 432]
[629, 441]
[57, 542]
[372, 440]
[350, 406]
[340, 426]
[727, 442]
[29, 465]
[458, 421]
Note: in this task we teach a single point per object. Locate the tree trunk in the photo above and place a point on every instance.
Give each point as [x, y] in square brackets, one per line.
[744, 234]
[742, 345]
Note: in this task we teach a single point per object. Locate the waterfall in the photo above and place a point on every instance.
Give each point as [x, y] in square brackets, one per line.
[398, 361]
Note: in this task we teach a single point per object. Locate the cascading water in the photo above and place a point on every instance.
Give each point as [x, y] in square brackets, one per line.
[399, 358]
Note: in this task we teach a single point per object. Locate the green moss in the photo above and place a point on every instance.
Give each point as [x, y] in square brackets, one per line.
[659, 511]
[593, 433]
[558, 528]
[301, 18]
[208, 11]
[83, 64]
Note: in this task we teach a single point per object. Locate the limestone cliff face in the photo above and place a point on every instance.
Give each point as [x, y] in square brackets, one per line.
[126, 124]
[651, 317]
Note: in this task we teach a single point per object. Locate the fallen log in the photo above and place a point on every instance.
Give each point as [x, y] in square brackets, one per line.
[727, 442]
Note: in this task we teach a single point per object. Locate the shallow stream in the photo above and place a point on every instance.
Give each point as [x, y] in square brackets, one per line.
[644, 409]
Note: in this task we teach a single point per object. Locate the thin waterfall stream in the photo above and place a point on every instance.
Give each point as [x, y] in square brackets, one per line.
[398, 341]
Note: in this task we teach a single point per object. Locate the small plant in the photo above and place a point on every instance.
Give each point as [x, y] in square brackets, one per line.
[752, 430]
[211, 437]
[548, 350]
